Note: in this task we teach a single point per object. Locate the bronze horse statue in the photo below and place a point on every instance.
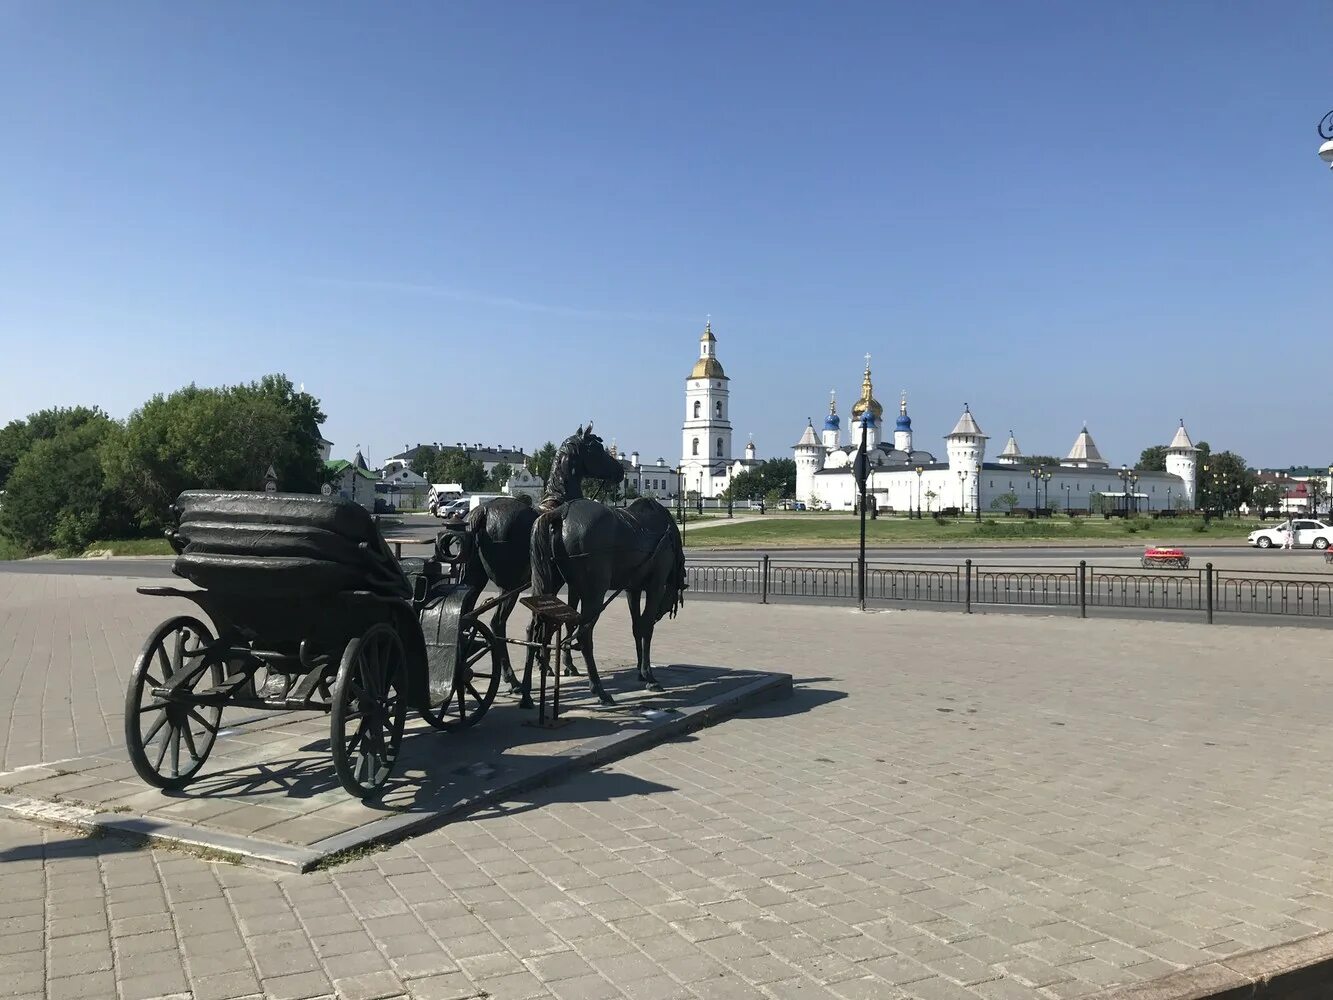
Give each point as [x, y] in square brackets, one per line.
[593, 549]
[502, 529]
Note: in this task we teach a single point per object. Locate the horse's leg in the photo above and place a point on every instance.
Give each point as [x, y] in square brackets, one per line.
[592, 600]
[636, 626]
[646, 671]
[499, 626]
[570, 669]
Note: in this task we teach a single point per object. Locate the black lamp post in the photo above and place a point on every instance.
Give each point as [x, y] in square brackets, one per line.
[977, 473]
[1035, 474]
[1134, 487]
[1065, 487]
[919, 471]
[962, 491]
[862, 473]
[1124, 489]
[1046, 478]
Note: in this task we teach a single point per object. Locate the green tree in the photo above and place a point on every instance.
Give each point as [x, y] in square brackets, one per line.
[500, 475]
[1038, 461]
[1005, 501]
[224, 438]
[1225, 481]
[18, 436]
[457, 467]
[539, 464]
[1266, 496]
[425, 461]
[745, 485]
[1153, 459]
[57, 496]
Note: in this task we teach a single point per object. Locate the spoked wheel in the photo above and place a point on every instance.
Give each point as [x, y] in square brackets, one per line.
[476, 679]
[169, 740]
[369, 710]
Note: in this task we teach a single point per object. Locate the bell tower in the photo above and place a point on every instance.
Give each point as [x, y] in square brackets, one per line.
[706, 432]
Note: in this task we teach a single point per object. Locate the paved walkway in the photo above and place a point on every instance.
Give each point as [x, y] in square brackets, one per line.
[975, 808]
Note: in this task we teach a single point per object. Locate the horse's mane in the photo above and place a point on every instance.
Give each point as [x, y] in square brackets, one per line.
[561, 484]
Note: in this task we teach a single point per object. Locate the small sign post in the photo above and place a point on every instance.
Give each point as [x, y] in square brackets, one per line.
[270, 481]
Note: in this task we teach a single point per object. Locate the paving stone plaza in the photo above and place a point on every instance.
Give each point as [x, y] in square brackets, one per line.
[970, 807]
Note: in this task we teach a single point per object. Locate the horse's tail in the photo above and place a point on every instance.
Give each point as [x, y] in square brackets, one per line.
[545, 540]
[679, 584]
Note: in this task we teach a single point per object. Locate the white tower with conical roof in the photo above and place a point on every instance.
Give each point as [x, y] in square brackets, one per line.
[809, 460]
[966, 445]
[1182, 459]
[1012, 454]
[706, 432]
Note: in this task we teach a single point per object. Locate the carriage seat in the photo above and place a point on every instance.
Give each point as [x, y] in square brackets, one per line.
[270, 544]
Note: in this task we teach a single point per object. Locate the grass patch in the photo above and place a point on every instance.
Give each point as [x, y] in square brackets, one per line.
[8, 550]
[796, 531]
[132, 547]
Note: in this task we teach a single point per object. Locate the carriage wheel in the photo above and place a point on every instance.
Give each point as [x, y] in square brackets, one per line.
[369, 710]
[156, 731]
[476, 679]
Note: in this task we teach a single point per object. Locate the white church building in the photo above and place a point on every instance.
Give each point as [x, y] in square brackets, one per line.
[706, 464]
[903, 477]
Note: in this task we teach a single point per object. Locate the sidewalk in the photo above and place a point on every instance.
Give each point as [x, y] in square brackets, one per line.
[964, 809]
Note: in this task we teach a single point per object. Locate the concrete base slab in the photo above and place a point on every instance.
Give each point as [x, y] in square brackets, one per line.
[268, 795]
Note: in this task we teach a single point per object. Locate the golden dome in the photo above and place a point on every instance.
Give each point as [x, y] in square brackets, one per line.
[867, 399]
[708, 368]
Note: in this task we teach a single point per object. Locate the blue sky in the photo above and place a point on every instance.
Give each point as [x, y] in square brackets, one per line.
[490, 222]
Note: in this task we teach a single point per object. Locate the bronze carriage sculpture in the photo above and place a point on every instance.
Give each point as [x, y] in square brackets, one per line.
[309, 611]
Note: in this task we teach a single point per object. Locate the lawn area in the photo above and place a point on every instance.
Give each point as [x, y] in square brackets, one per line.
[133, 547]
[795, 532]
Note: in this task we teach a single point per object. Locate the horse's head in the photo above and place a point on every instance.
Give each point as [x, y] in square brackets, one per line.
[590, 459]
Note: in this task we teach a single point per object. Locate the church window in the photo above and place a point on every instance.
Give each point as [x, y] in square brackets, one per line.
[719, 409]
[992, 483]
[719, 447]
[695, 450]
[696, 409]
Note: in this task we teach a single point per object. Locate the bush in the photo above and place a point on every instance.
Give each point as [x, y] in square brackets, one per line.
[57, 496]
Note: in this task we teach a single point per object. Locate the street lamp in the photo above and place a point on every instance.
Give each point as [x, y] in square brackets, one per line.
[1326, 133]
[919, 470]
[1065, 487]
[1134, 487]
[1124, 488]
[977, 473]
[962, 491]
[1036, 489]
[1046, 478]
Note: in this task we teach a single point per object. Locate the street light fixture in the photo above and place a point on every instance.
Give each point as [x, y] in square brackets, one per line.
[1065, 487]
[1046, 478]
[962, 491]
[1326, 133]
[1124, 488]
[919, 471]
[977, 473]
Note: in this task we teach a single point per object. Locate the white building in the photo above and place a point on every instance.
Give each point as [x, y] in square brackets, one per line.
[706, 433]
[524, 483]
[650, 479]
[903, 477]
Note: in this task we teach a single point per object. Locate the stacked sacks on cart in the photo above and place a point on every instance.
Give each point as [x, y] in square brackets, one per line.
[280, 543]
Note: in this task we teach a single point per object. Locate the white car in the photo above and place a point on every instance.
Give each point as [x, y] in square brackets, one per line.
[1309, 534]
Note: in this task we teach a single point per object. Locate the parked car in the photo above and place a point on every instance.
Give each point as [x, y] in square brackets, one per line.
[453, 508]
[1309, 534]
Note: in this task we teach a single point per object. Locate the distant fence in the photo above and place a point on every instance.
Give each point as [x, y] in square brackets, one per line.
[1207, 591]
